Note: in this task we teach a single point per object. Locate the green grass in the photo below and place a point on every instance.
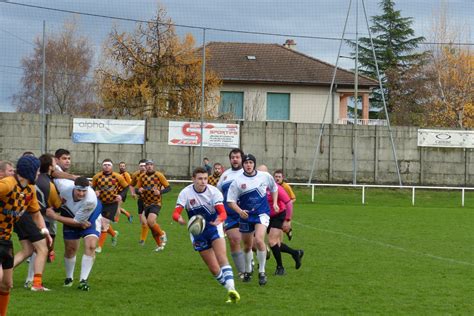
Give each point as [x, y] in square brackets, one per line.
[385, 257]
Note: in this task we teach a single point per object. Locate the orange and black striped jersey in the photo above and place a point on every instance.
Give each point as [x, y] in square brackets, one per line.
[14, 200]
[127, 177]
[108, 186]
[149, 182]
[213, 179]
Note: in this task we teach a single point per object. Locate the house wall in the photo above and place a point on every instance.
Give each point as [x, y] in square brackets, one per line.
[307, 104]
[286, 145]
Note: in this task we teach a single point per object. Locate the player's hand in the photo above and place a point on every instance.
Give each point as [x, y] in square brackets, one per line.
[156, 191]
[181, 221]
[51, 213]
[286, 226]
[49, 240]
[85, 224]
[216, 222]
[97, 193]
[118, 198]
[141, 190]
[276, 208]
[244, 214]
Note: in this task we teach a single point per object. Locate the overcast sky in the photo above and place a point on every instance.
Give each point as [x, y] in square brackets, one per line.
[19, 25]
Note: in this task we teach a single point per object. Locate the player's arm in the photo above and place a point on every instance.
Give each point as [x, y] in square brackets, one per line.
[5, 188]
[63, 175]
[66, 220]
[164, 183]
[177, 214]
[221, 214]
[274, 191]
[290, 192]
[38, 219]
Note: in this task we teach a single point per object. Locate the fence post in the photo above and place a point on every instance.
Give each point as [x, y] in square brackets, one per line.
[413, 196]
[363, 195]
[312, 193]
[462, 197]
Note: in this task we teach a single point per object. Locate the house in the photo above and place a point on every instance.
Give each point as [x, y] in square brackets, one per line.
[277, 83]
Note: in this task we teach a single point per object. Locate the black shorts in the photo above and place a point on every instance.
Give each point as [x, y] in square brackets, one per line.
[123, 194]
[26, 229]
[155, 209]
[6, 254]
[277, 221]
[109, 211]
[140, 206]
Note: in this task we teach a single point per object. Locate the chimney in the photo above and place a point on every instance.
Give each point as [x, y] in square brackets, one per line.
[291, 44]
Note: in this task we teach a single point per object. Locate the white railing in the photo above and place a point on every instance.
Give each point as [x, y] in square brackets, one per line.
[364, 186]
[346, 121]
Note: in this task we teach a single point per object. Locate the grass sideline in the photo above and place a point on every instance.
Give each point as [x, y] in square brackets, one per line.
[385, 257]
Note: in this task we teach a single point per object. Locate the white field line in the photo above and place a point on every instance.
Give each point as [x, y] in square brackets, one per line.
[382, 244]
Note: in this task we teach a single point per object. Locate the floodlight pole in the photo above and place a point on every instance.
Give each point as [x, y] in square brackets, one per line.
[356, 103]
[203, 86]
[43, 112]
[383, 96]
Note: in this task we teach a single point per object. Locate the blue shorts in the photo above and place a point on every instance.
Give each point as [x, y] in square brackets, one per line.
[248, 225]
[204, 240]
[73, 233]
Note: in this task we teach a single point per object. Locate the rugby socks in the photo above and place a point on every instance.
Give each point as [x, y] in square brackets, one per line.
[4, 298]
[111, 231]
[102, 238]
[239, 261]
[248, 261]
[157, 233]
[86, 266]
[69, 264]
[286, 249]
[31, 268]
[144, 232]
[262, 259]
[277, 254]
[226, 277]
[37, 280]
[123, 211]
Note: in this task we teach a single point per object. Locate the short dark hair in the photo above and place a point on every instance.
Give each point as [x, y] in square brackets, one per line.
[217, 164]
[199, 170]
[142, 161]
[28, 153]
[46, 161]
[81, 181]
[107, 160]
[61, 151]
[122, 162]
[235, 151]
[278, 171]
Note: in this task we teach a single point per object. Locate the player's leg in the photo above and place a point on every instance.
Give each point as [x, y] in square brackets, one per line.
[71, 245]
[41, 249]
[235, 239]
[151, 213]
[247, 238]
[105, 224]
[25, 252]
[260, 232]
[144, 226]
[5, 285]
[274, 241]
[88, 258]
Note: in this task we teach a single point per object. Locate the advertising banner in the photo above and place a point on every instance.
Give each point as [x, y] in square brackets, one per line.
[214, 134]
[108, 131]
[445, 138]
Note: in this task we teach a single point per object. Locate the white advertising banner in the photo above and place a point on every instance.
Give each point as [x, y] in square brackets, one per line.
[214, 134]
[445, 138]
[87, 130]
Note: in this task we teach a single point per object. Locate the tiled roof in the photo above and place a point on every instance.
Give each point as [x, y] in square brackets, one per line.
[275, 64]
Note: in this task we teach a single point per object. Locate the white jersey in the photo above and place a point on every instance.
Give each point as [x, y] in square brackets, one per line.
[224, 183]
[250, 192]
[62, 184]
[83, 209]
[202, 203]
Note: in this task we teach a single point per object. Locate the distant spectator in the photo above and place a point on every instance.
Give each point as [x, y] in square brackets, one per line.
[207, 166]
[215, 176]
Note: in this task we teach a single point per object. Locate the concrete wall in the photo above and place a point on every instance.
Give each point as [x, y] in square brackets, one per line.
[286, 145]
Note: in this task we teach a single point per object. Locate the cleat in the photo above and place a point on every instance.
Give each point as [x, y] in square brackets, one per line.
[262, 278]
[115, 239]
[68, 282]
[130, 219]
[163, 239]
[253, 265]
[247, 277]
[28, 285]
[297, 258]
[141, 242]
[269, 253]
[241, 275]
[40, 288]
[84, 286]
[28, 259]
[280, 271]
[159, 248]
[232, 296]
[289, 234]
[98, 250]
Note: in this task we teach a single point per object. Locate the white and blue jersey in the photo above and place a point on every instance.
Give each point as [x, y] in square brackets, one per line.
[87, 209]
[203, 203]
[224, 183]
[250, 193]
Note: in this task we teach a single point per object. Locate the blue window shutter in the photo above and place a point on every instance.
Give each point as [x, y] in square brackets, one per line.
[278, 106]
[232, 102]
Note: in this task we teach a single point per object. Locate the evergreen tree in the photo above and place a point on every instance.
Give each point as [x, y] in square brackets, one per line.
[395, 46]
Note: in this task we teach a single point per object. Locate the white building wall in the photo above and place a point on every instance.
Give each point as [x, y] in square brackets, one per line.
[307, 104]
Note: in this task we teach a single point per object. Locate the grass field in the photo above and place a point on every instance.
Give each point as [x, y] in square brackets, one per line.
[385, 257]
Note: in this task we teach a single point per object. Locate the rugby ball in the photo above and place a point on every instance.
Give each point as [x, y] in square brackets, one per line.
[196, 225]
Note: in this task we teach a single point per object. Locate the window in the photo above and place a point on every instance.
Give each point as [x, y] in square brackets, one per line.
[233, 103]
[278, 106]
